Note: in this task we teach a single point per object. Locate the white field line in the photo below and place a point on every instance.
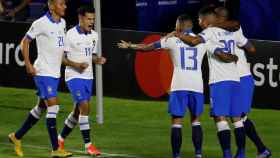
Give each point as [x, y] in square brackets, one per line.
[103, 154]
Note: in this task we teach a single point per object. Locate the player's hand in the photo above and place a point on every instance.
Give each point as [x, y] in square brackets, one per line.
[81, 66]
[100, 60]
[235, 57]
[31, 70]
[123, 44]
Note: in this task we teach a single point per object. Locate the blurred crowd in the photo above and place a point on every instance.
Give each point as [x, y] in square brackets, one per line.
[29, 10]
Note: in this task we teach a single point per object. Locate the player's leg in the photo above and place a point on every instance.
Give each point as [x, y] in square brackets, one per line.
[32, 118]
[224, 135]
[85, 128]
[196, 103]
[240, 137]
[74, 86]
[235, 113]
[49, 93]
[69, 124]
[247, 90]
[220, 107]
[177, 109]
[176, 136]
[84, 119]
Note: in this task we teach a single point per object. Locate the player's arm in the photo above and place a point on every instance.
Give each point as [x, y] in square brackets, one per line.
[98, 60]
[244, 43]
[78, 66]
[190, 40]
[249, 48]
[230, 25]
[142, 47]
[25, 42]
[225, 57]
[18, 8]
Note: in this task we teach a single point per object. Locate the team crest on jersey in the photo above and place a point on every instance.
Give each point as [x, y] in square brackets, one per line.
[78, 93]
[49, 89]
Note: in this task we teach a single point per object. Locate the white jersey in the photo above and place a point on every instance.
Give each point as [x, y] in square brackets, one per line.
[228, 41]
[187, 63]
[242, 65]
[49, 37]
[79, 48]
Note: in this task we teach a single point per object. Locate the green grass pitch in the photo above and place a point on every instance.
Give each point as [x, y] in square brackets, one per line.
[132, 128]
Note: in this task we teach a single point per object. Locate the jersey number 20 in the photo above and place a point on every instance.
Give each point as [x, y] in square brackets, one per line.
[188, 58]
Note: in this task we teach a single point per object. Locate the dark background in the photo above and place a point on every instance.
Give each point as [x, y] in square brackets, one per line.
[118, 73]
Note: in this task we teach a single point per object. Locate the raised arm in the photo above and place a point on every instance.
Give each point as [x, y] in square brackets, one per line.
[18, 8]
[142, 47]
[25, 53]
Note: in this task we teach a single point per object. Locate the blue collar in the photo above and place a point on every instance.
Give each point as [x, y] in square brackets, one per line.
[187, 31]
[49, 16]
[80, 31]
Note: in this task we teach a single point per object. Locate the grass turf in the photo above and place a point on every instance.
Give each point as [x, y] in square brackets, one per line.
[132, 128]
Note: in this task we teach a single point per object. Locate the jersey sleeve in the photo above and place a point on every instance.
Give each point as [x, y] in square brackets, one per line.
[165, 43]
[206, 35]
[34, 30]
[241, 40]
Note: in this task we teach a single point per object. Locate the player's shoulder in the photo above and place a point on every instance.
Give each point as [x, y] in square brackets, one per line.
[72, 31]
[94, 34]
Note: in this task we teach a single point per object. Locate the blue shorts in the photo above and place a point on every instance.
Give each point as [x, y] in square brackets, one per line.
[225, 100]
[46, 86]
[81, 89]
[246, 92]
[179, 101]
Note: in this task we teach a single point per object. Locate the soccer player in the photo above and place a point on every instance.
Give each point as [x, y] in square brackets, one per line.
[80, 47]
[246, 92]
[224, 78]
[49, 32]
[186, 86]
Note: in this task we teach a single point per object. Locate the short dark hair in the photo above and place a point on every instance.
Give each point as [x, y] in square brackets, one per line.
[85, 9]
[207, 10]
[184, 17]
[222, 11]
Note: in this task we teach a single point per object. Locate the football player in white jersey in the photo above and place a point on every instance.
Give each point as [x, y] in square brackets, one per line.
[247, 90]
[186, 85]
[49, 32]
[80, 47]
[224, 78]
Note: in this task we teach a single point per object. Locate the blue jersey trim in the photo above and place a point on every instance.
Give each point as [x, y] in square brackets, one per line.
[49, 16]
[157, 44]
[203, 40]
[80, 31]
[187, 31]
[29, 37]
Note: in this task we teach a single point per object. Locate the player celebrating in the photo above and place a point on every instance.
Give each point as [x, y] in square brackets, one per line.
[80, 47]
[49, 32]
[224, 78]
[187, 83]
[247, 90]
